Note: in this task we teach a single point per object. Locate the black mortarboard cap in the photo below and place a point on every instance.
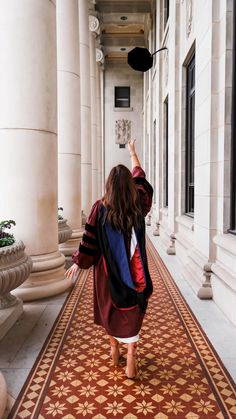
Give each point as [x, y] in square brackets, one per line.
[141, 59]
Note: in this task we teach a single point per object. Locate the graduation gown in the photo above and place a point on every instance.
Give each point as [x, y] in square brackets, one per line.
[122, 323]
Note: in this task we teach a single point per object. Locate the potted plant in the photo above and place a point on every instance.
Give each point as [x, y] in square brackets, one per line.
[15, 265]
[64, 231]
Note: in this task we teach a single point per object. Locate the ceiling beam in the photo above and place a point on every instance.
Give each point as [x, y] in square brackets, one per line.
[123, 6]
[123, 40]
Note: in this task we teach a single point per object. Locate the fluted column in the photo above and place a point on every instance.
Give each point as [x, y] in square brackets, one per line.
[69, 152]
[94, 24]
[28, 138]
[85, 108]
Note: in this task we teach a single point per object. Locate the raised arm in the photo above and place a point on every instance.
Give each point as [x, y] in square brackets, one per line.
[134, 158]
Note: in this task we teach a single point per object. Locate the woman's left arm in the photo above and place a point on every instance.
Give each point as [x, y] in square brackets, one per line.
[88, 252]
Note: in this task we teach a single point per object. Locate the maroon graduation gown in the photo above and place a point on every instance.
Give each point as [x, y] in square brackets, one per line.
[122, 323]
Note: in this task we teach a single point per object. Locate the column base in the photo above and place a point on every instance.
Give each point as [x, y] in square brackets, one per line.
[3, 395]
[197, 273]
[156, 232]
[8, 317]
[69, 247]
[47, 278]
[167, 239]
[171, 248]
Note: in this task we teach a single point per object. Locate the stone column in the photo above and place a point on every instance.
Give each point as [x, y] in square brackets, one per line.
[3, 395]
[99, 59]
[93, 26]
[28, 139]
[85, 109]
[69, 154]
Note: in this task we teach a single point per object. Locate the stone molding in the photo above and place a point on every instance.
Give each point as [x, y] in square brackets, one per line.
[226, 242]
[189, 16]
[15, 267]
[64, 231]
[99, 56]
[93, 24]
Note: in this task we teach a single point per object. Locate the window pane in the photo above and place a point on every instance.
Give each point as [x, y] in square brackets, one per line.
[190, 140]
[166, 169]
[166, 11]
[122, 97]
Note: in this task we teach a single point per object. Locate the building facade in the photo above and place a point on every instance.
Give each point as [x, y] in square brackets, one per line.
[193, 139]
[69, 104]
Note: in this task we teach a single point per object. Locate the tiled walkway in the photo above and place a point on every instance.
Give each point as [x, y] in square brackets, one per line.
[20, 347]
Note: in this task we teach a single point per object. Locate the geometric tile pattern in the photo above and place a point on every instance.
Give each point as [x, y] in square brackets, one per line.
[179, 373]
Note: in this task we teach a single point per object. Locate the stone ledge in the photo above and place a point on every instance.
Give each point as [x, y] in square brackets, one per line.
[185, 221]
[226, 276]
[226, 241]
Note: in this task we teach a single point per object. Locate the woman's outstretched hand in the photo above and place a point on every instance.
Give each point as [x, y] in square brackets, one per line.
[72, 271]
[134, 158]
[131, 147]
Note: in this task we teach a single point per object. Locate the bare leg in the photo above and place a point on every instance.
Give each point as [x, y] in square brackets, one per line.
[115, 353]
[131, 370]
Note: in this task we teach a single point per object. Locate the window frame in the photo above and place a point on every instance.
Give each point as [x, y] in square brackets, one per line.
[190, 137]
[166, 142]
[124, 98]
[166, 12]
[232, 228]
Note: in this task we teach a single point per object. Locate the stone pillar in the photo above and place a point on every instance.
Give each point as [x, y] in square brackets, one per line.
[69, 154]
[93, 26]
[28, 138]
[102, 129]
[99, 59]
[3, 395]
[85, 109]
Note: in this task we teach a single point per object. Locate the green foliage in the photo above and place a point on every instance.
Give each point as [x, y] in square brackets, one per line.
[59, 215]
[6, 239]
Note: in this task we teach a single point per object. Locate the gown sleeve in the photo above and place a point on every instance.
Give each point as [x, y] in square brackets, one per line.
[88, 253]
[145, 190]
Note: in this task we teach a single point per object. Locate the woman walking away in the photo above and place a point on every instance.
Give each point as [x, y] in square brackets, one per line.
[114, 242]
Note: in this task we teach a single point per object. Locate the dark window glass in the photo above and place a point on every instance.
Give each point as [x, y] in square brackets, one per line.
[166, 11]
[154, 161]
[233, 139]
[122, 97]
[122, 145]
[166, 170]
[190, 120]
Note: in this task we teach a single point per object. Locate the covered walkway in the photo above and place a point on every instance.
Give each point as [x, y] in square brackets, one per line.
[69, 103]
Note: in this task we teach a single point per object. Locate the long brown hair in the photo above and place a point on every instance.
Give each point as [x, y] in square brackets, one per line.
[121, 200]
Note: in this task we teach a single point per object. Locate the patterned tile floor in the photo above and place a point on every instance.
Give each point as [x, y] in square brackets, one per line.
[179, 374]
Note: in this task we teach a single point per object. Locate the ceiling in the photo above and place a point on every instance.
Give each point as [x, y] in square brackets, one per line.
[124, 25]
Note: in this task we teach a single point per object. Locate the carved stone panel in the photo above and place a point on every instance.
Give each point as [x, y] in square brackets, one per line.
[122, 131]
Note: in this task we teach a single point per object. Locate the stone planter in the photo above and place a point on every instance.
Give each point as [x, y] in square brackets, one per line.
[64, 231]
[15, 267]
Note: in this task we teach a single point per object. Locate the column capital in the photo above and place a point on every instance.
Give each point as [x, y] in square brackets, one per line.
[94, 25]
[99, 56]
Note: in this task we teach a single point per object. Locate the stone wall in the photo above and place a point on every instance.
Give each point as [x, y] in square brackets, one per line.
[122, 76]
